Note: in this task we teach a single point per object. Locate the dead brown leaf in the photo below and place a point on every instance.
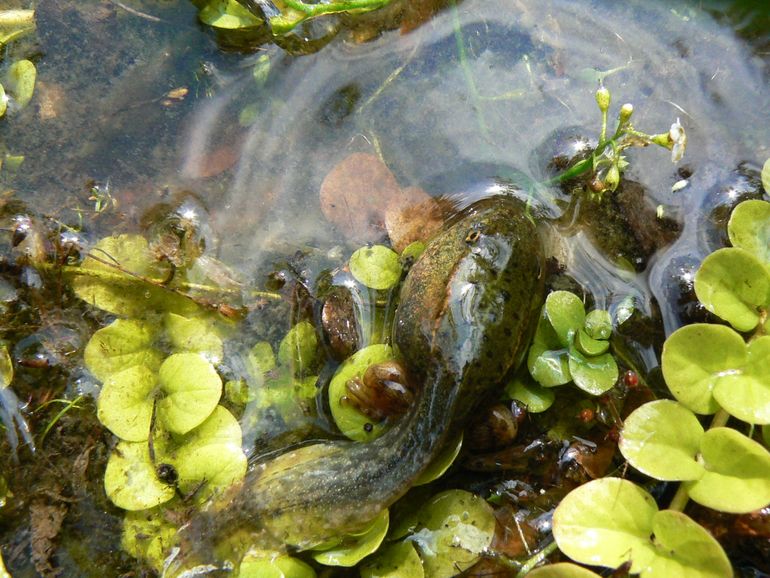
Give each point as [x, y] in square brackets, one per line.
[46, 522]
[415, 217]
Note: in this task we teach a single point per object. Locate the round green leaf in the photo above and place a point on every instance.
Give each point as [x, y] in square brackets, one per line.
[149, 537]
[3, 101]
[562, 570]
[192, 390]
[766, 176]
[20, 81]
[606, 522]
[535, 398]
[685, 549]
[130, 480]
[737, 477]
[549, 367]
[695, 358]
[196, 335]
[102, 282]
[273, 565]
[749, 227]
[351, 422]
[598, 324]
[352, 551]
[594, 375]
[227, 15]
[566, 313]
[377, 267]
[456, 527]
[6, 367]
[126, 401]
[120, 345]
[211, 455]
[589, 346]
[299, 350]
[662, 439]
[412, 252]
[733, 284]
[398, 560]
[441, 462]
[746, 393]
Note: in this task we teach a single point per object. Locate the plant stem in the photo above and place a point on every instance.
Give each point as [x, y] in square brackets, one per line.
[533, 561]
[720, 419]
[680, 499]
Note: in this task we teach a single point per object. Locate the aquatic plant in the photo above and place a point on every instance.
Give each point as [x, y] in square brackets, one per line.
[709, 369]
[282, 16]
[606, 164]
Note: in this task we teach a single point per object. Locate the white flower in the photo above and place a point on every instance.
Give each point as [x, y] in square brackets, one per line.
[678, 139]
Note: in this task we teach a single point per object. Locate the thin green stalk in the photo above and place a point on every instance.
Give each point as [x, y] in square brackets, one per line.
[533, 561]
[469, 80]
[69, 405]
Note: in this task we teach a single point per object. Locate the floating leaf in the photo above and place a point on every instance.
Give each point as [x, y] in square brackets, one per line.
[210, 457]
[562, 570]
[192, 390]
[441, 462]
[130, 480]
[20, 81]
[227, 15]
[610, 521]
[149, 537]
[734, 285]
[299, 349]
[594, 375]
[197, 335]
[412, 252]
[3, 101]
[273, 565]
[695, 358]
[126, 401]
[455, 528]
[398, 560]
[566, 313]
[749, 225]
[351, 422]
[356, 548]
[662, 439]
[744, 391]
[102, 280]
[122, 344]
[590, 346]
[766, 176]
[737, 473]
[377, 267]
[547, 361]
[535, 398]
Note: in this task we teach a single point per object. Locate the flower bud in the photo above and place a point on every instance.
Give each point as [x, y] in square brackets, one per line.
[612, 179]
[625, 113]
[603, 99]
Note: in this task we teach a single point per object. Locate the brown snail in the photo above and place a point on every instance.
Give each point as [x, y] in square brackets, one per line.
[495, 428]
[383, 391]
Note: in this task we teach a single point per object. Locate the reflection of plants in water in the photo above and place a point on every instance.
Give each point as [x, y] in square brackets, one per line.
[17, 81]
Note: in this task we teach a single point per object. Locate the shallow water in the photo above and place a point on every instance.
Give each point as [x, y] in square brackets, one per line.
[458, 124]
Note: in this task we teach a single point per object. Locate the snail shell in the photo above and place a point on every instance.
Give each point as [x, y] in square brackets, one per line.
[383, 392]
[495, 428]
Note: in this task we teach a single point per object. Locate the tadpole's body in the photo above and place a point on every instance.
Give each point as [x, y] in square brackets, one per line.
[466, 314]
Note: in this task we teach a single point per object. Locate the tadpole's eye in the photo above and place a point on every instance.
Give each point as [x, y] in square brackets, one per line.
[472, 236]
